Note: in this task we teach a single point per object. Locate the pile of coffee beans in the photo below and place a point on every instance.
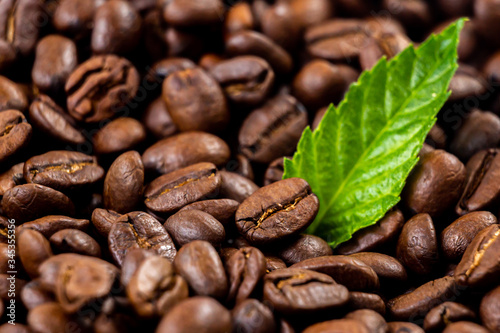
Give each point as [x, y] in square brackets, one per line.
[141, 158]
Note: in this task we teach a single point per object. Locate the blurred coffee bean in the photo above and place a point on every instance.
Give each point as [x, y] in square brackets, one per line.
[12, 95]
[467, 82]
[304, 247]
[48, 317]
[33, 249]
[489, 310]
[157, 119]
[360, 300]
[12, 177]
[338, 326]
[446, 313]
[192, 224]
[75, 241]
[312, 12]
[279, 23]
[486, 14]
[33, 295]
[465, 327]
[242, 166]
[15, 133]
[436, 138]
[75, 17]
[163, 68]
[239, 17]
[192, 12]
[253, 316]
[132, 261]
[235, 186]
[404, 327]
[411, 13]
[371, 319]
[119, 135]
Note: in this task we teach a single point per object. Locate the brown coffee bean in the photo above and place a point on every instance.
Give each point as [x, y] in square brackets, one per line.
[350, 272]
[480, 264]
[103, 220]
[489, 310]
[360, 300]
[417, 247]
[312, 12]
[119, 135]
[163, 68]
[75, 17]
[75, 241]
[131, 263]
[467, 82]
[445, 313]
[222, 209]
[196, 314]
[185, 149]
[436, 138]
[56, 57]
[387, 44]
[100, 87]
[245, 80]
[235, 186]
[320, 83]
[481, 190]
[272, 130]
[117, 28]
[12, 177]
[49, 317]
[28, 202]
[245, 270]
[50, 224]
[200, 265]
[275, 171]
[338, 326]
[279, 23]
[124, 183]
[261, 216]
[239, 17]
[371, 319]
[169, 193]
[191, 12]
[274, 263]
[465, 327]
[139, 230]
[403, 327]
[195, 101]
[458, 235]
[254, 43]
[304, 247]
[486, 15]
[33, 295]
[158, 120]
[418, 303]
[253, 316]
[190, 225]
[51, 119]
[435, 183]
[15, 133]
[388, 269]
[12, 95]
[155, 288]
[299, 291]
[414, 13]
[33, 249]
[375, 236]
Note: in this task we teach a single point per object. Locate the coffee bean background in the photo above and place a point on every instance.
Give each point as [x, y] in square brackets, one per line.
[141, 157]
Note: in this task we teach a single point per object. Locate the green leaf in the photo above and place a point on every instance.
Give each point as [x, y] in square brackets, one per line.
[359, 157]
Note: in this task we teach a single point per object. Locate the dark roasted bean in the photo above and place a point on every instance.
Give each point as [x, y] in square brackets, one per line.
[371, 319]
[15, 133]
[388, 269]
[12, 177]
[12, 95]
[275, 171]
[222, 209]
[118, 136]
[253, 316]
[338, 326]
[465, 327]
[48, 317]
[304, 247]
[50, 224]
[235, 186]
[446, 313]
[33, 295]
[489, 310]
[33, 249]
[103, 220]
[75, 241]
[158, 120]
[75, 17]
[404, 327]
[360, 300]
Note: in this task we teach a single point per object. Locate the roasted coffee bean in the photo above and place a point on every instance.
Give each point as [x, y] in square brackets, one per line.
[254, 43]
[163, 68]
[304, 247]
[5, 257]
[185, 149]
[480, 264]
[75, 17]
[337, 40]
[11, 95]
[479, 131]
[222, 209]
[467, 82]
[481, 190]
[253, 316]
[191, 12]
[261, 216]
[63, 170]
[50, 224]
[56, 57]
[417, 247]
[274, 263]
[30, 201]
[12, 177]
[465, 327]
[242, 166]
[155, 288]
[375, 236]
[124, 183]
[235, 186]
[388, 269]
[456, 8]
[238, 18]
[348, 271]
[486, 15]
[245, 80]
[49, 270]
[117, 28]
[103, 220]
[158, 120]
[299, 291]
[15, 133]
[413, 13]
[195, 101]
[100, 87]
[458, 235]
[445, 313]
[33, 295]
[82, 280]
[169, 193]
[272, 130]
[190, 225]
[275, 171]
[403, 327]
[200, 265]
[338, 326]
[182, 43]
[196, 314]
[131, 263]
[312, 12]
[209, 60]
[418, 303]
[489, 310]
[371, 319]
[49, 317]
[33, 249]
[320, 83]
[435, 184]
[279, 23]
[119, 135]
[360, 300]
[245, 269]
[139, 230]
[51, 119]
[388, 45]
[436, 138]
[75, 241]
